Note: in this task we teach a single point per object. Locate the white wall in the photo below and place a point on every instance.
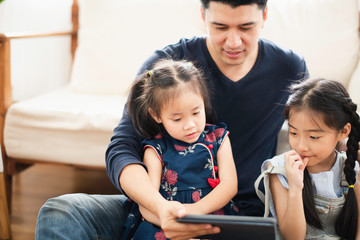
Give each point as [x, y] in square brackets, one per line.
[40, 64]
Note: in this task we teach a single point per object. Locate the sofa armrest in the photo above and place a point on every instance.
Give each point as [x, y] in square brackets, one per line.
[5, 66]
[5, 69]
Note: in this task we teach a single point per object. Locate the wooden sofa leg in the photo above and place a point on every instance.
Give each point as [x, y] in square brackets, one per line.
[5, 232]
[8, 189]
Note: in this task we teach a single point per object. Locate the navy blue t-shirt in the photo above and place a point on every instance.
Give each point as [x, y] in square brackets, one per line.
[251, 107]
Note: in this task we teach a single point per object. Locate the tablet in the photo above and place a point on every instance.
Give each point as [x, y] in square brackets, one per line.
[237, 227]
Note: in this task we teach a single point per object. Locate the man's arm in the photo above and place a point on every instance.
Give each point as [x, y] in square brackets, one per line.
[124, 149]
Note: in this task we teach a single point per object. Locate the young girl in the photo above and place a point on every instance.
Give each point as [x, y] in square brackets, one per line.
[186, 159]
[314, 192]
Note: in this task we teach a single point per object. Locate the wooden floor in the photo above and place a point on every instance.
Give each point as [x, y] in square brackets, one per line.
[36, 184]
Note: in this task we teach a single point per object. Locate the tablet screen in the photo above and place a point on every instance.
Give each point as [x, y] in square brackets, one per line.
[236, 227]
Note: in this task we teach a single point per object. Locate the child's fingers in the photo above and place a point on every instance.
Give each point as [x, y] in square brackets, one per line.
[294, 161]
[292, 158]
[302, 164]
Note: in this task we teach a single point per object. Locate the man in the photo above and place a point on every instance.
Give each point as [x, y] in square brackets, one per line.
[248, 77]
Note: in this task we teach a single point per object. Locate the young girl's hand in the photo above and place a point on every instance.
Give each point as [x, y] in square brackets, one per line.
[295, 167]
[181, 231]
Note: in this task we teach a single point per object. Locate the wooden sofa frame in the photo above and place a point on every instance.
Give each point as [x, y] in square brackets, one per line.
[14, 165]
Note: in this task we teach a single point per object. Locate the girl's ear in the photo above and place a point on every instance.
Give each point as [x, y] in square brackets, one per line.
[344, 132]
[153, 115]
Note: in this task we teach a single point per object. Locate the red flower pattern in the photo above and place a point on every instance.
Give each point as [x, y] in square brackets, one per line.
[160, 236]
[171, 177]
[195, 196]
[235, 208]
[180, 148]
[210, 137]
[158, 136]
[219, 132]
[219, 212]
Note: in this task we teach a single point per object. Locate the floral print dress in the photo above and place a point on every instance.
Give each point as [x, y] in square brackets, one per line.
[189, 174]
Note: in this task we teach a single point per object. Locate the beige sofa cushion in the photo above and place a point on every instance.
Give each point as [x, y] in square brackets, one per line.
[63, 126]
[325, 32]
[354, 86]
[116, 37]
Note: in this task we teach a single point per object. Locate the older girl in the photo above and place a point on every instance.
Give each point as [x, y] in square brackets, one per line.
[315, 191]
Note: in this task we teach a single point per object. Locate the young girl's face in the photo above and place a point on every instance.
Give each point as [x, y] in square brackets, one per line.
[184, 117]
[311, 138]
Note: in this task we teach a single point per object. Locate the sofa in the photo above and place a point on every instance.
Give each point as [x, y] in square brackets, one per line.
[73, 124]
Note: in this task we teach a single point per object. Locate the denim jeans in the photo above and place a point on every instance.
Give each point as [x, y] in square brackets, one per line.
[81, 216]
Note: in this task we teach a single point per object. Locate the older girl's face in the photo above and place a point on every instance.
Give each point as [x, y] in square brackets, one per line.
[311, 138]
[184, 117]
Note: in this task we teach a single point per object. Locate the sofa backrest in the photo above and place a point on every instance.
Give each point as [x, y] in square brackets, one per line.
[116, 37]
[325, 32]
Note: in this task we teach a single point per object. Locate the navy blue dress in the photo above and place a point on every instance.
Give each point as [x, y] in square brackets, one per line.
[189, 174]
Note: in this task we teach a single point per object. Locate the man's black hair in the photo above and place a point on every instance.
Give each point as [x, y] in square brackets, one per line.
[236, 3]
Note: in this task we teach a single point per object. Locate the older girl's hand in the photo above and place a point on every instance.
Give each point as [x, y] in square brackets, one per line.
[295, 167]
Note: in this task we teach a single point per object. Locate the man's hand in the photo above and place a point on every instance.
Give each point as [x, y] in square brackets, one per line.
[181, 231]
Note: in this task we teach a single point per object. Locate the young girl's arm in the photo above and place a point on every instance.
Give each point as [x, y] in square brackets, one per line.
[227, 188]
[154, 167]
[288, 202]
[169, 224]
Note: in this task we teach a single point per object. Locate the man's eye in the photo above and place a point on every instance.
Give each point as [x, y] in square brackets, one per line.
[314, 138]
[246, 28]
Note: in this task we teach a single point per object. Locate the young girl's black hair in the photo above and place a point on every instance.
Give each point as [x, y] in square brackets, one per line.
[330, 100]
[160, 85]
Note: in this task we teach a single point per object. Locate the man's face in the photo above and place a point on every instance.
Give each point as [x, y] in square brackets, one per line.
[233, 33]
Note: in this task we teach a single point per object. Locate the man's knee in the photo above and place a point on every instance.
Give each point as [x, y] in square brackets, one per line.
[62, 207]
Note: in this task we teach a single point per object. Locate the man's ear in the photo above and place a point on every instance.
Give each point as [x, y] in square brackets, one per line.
[153, 115]
[202, 10]
[344, 133]
[265, 15]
